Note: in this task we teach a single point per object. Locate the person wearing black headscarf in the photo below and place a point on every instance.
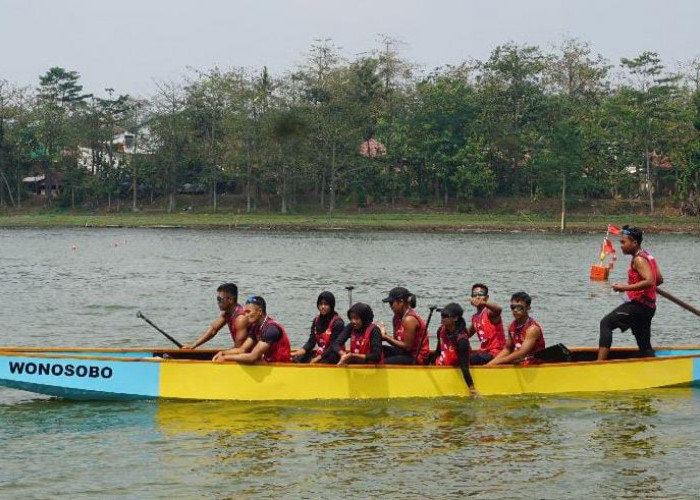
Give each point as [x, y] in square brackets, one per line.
[325, 329]
[365, 338]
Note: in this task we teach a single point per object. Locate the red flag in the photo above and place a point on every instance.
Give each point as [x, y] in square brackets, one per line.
[612, 229]
[608, 246]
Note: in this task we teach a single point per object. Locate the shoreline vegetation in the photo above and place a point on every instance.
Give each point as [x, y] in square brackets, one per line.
[434, 221]
[372, 132]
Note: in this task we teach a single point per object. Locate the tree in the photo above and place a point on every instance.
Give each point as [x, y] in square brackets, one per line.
[512, 107]
[578, 82]
[58, 101]
[14, 115]
[647, 106]
[172, 136]
[100, 120]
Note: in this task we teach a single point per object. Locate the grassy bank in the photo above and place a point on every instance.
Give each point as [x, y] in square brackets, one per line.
[427, 222]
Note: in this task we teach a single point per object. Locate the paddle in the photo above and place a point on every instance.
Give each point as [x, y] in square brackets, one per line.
[139, 315]
[427, 324]
[349, 288]
[678, 301]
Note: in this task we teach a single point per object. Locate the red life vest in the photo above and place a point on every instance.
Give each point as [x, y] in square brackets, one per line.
[491, 336]
[448, 347]
[360, 342]
[517, 335]
[648, 295]
[280, 351]
[323, 339]
[420, 352]
[231, 321]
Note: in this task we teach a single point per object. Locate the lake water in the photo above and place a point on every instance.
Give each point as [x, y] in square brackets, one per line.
[600, 445]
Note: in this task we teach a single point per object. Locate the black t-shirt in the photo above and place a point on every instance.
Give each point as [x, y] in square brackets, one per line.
[271, 334]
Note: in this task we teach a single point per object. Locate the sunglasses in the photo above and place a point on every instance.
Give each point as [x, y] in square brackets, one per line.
[475, 294]
[516, 307]
[220, 299]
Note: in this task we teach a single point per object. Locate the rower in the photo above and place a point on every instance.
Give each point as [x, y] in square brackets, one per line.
[365, 338]
[453, 343]
[487, 324]
[325, 329]
[268, 342]
[409, 344]
[525, 335]
[640, 300]
[231, 314]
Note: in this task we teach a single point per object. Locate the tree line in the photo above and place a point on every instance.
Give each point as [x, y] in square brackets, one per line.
[525, 121]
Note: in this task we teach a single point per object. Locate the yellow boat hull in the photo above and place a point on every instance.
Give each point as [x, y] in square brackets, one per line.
[127, 374]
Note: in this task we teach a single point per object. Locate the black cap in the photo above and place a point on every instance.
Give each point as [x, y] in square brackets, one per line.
[397, 293]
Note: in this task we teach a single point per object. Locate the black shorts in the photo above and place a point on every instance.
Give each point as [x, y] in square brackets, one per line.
[630, 315]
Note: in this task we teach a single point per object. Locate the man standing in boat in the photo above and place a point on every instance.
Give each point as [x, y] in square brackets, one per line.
[640, 299]
[232, 314]
[487, 324]
[268, 340]
[525, 335]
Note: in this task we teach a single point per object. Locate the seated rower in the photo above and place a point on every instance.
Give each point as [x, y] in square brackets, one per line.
[453, 343]
[268, 340]
[487, 324]
[325, 329]
[525, 335]
[365, 337]
[231, 314]
[409, 344]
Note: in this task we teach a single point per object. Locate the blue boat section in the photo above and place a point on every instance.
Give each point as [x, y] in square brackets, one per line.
[676, 352]
[81, 378]
[696, 373]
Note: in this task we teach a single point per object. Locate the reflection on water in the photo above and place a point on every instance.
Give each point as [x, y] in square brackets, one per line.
[635, 444]
[626, 435]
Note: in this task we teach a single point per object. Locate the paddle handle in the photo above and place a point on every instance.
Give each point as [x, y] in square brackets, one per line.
[349, 288]
[171, 339]
[427, 324]
[678, 301]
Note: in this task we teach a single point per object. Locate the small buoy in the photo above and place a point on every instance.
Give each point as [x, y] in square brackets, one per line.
[74, 247]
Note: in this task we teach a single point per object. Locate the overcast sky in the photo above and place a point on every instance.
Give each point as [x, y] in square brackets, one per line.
[130, 44]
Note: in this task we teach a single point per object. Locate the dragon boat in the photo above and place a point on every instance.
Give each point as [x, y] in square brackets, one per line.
[98, 374]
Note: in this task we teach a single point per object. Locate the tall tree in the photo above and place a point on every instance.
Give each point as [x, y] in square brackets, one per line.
[647, 105]
[512, 108]
[172, 134]
[60, 97]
